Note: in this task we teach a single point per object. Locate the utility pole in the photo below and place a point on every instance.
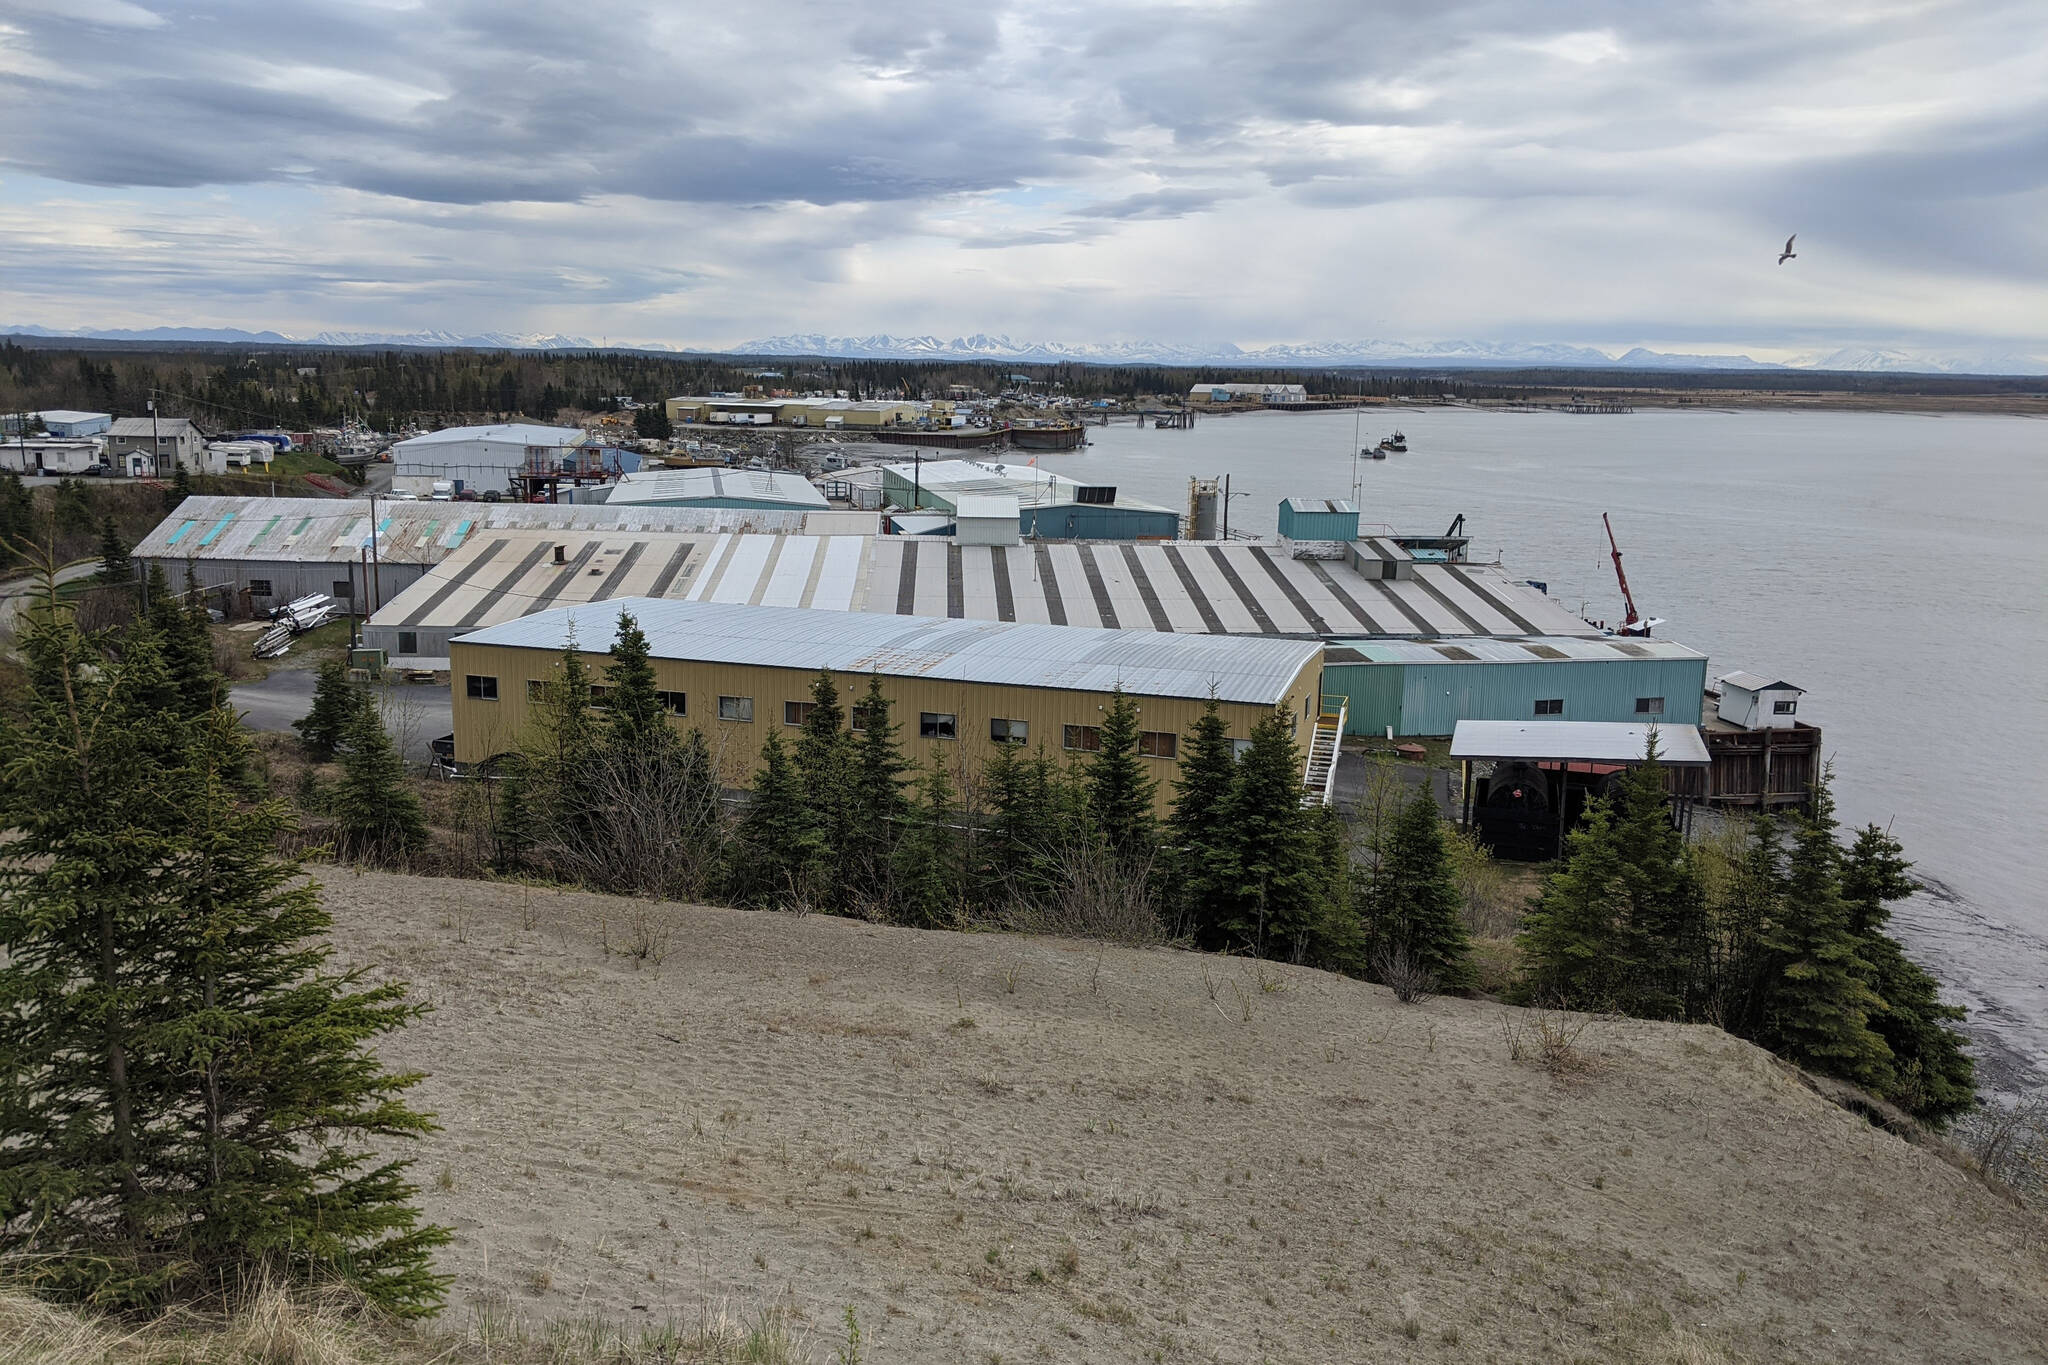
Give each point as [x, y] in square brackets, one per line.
[376, 579]
[156, 440]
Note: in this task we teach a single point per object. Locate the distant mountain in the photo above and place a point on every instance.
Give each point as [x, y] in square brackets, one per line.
[481, 341]
[1447, 354]
[1884, 360]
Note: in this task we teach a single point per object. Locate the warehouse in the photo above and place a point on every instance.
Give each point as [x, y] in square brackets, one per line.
[49, 455]
[279, 549]
[1233, 588]
[716, 488]
[480, 459]
[1427, 686]
[1050, 506]
[1248, 393]
[60, 422]
[957, 688]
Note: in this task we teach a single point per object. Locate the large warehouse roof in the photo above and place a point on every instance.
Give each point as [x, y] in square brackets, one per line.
[510, 433]
[1577, 741]
[1215, 588]
[1144, 663]
[1537, 649]
[331, 530]
[1030, 485]
[684, 485]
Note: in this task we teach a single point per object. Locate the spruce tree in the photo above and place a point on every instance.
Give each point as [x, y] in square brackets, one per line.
[379, 813]
[115, 567]
[185, 1090]
[324, 728]
[1208, 763]
[1571, 937]
[1415, 912]
[778, 860]
[1819, 1003]
[17, 517]
[1662, 915]
[823, 768]
[1271, 897]
[928, 872]
[1744, 911]
[1119, 789]
[1933, 1077]
[875, 799]
[638, 721]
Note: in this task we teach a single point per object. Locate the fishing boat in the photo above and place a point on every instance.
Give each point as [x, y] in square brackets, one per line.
[1396, 443]
[1372, 452]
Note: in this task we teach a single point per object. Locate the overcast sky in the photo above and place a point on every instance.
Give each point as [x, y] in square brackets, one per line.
[1609, 174]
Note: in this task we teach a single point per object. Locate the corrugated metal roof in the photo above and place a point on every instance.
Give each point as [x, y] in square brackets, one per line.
[145, 426]
[1577, 741]
[994, 506]
[1752, 682]
[1188, 587]
[323, 530]
[1143, 663]
[1515, 649]
[680, 485]
[1320, 505]
[1031, 486]
[514, 433]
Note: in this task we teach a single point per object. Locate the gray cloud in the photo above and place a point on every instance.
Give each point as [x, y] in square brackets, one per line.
[934, 137]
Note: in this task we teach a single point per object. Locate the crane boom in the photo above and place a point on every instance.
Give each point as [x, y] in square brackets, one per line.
[1634, 622]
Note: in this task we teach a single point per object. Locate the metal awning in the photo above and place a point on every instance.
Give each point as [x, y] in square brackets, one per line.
[1577, 741]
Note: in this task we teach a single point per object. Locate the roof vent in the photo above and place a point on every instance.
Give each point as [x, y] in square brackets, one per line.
[1100, 495]
[561, 554]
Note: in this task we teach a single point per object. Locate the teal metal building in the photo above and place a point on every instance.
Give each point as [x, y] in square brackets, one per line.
[1330, 519]
[1049, 506]
[1425, 687]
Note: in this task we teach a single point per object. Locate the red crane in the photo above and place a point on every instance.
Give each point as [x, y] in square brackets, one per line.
[1635, 624]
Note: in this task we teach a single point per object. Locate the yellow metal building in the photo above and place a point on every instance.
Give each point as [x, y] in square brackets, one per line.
[956, 688]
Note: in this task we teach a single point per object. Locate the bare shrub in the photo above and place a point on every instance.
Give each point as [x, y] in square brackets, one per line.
[1492, 904]
[2009, 1142]
[660, 832]
[1550, 1039]
[1401, 972]
[1095, 895]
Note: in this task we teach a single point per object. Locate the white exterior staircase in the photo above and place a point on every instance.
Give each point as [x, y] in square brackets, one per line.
[1319, 774]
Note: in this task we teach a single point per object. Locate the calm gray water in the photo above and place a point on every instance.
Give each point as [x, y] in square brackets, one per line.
[1894, 565]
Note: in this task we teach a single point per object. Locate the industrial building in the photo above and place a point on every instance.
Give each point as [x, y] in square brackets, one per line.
[58, 422]
[49, 455]
[275, 550]
[715, 488]
[1226, 588]
[830, 413]
[480, 459]
[959, 689]
[1428, 687]
[1248, 393]
[1050, 506]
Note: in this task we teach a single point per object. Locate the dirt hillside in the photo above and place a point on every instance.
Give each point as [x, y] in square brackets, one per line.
[997, 1148]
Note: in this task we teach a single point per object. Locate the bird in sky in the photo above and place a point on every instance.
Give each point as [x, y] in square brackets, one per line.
[1788, 254]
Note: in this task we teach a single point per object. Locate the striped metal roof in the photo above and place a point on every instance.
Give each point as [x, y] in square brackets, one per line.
[1142, 662]
[1513, 650]
[315, 530]
[1182, 587]
[679, 485]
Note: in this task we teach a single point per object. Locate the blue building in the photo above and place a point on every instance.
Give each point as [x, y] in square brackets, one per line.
[1318, 519]
[1425, 687]
[1049, 506]
[62, 422]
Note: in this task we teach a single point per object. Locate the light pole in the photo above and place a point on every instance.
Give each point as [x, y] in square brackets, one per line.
[156, 442]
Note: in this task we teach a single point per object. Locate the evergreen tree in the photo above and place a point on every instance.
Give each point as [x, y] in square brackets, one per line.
[928, 872]
[325, 727]
[1933, 1077]
[17, 517]
[114, 564]
[1208, 764]
[875, 798]
[1271, 897]
[71, 506]
[779, 852]
[1662, 913]
[639, 722]
[823, 767]
[559, 755]
[1119, 789]
[378, 811]
[1414, 908]
[1570, 937]
[184, 1089]
[184, 635]
[1739, 985]
[1819, 1003]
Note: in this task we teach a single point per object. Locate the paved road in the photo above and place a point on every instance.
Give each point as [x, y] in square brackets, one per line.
[23, 588]
[414, 714]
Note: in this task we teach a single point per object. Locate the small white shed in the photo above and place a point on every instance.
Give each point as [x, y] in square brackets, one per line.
[1758, 703]
[985, 519]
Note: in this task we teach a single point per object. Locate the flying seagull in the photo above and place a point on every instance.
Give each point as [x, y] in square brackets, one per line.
[1788, 254]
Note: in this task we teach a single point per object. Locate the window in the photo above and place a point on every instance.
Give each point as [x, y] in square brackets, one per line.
[1009, 731]
[675, 703]
[736, 708]
[536, 690]
[408, 642]
[481, 688]
[598, 693]
[1788, 707]
[937, 725]
[797, 712]
[259, 587]
[1238, 749]
[1550, 706]
[1086, 738]
[343, 589]
[1158, 743]
[1649, 706]
[857, 716]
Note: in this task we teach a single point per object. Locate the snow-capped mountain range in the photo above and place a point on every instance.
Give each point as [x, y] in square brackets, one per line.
[983, 347]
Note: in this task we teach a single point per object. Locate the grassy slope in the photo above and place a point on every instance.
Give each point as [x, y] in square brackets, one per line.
[1032, 1149]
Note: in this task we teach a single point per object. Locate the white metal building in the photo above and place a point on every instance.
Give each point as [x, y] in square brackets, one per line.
[476, 458]
[716, 488]
[1759, 703]
[46, 455]
[60, 422]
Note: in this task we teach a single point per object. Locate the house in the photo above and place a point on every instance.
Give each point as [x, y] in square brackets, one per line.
[169, 443]
[1751, 702]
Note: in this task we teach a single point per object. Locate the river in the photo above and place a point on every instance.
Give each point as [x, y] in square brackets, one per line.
[1894, 565]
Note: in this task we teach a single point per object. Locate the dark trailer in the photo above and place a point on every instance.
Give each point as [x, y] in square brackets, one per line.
[1544, 773]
